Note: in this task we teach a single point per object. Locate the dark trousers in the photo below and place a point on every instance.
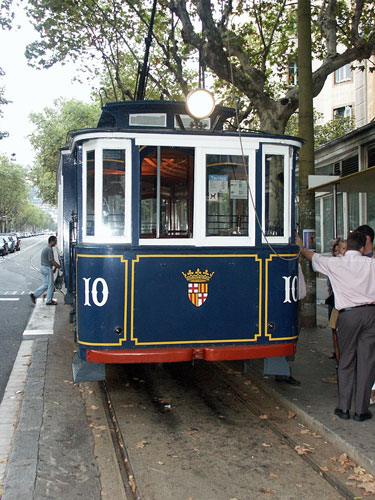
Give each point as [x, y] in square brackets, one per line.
[356, 338]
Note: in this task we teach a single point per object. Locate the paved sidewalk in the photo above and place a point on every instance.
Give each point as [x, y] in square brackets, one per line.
[315, 399]
[52, 453]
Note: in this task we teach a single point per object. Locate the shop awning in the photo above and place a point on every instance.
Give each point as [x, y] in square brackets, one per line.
[360, 182]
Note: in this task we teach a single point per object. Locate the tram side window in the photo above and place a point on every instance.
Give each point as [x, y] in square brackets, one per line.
[274, 195]
[227, 204]
[167, 182]
[90, 193]
[113, 205]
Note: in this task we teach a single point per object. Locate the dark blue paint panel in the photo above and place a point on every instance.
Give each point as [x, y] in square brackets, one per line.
[230, 312]
[100, 299]
[148, 298]
[281, 295]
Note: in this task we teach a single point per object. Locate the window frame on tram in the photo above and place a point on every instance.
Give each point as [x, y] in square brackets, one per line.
[97, 146]
[202, 146]
[287, 153]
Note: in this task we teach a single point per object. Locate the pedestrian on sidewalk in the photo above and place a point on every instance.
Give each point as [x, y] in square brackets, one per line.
[47, 267]
[338, 249]
[353, 282]
[368, 233]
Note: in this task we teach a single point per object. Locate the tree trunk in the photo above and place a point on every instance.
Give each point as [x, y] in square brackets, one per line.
[306, 155]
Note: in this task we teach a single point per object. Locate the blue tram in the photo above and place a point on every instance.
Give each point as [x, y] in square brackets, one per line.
[177, 238]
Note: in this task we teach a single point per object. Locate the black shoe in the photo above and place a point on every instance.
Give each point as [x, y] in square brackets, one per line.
[362, 416]
[287, 380]
[33, 298]
[344, 414]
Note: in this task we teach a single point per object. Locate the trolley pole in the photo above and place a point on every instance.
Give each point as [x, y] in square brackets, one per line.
[306, 155]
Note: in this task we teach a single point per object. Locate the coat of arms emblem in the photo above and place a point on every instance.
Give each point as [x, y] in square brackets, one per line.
[198, 286]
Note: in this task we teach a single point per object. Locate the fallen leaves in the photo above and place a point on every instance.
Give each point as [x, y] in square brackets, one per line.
[132, 483]
[303, 450]
[263, 417]
[358, 477]
[308, 432]
[142, 444]
[291, 414]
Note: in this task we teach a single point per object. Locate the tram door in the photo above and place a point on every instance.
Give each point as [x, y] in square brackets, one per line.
[167, 187]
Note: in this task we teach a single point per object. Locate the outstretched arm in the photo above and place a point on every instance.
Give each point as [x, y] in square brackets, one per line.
[304, 251]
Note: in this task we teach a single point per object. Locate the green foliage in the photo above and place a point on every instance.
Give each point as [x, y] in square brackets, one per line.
[3, 101]
[323, 133]
[6, 14]
[52, 128]
[245, 47]
[13, 188]
[107, 36]
[32, 217]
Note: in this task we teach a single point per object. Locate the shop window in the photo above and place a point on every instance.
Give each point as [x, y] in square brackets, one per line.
[353, 211]
[317, 226]
[327, 222]
[167, 176]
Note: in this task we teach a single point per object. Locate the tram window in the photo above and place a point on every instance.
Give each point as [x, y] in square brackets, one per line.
[113, 205]
[90, 193]
[227, 204]
[167, 211]
[274, 195]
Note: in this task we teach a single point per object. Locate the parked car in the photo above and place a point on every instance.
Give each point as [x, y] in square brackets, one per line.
[3, 246]
[16, 237]
[10, 241]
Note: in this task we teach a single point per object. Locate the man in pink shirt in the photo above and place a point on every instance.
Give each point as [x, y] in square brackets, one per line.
[352, 277]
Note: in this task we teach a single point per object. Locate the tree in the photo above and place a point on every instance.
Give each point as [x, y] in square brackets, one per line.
[6, 19]
[3, 101]
[13, 189]
[246, 47]
[33, 218]
[326, 132]
[52, 128]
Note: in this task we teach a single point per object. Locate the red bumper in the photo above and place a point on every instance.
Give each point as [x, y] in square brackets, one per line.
[188, 354]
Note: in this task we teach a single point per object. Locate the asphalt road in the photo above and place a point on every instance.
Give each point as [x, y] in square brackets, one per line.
[18, 275]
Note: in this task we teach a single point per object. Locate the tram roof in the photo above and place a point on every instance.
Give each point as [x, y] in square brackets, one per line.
[166, 117]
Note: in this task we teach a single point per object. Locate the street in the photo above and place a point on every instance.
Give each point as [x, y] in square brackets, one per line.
[19, 273]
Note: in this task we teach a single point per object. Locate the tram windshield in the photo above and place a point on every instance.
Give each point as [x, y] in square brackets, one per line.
[167, 182]
[226, 195]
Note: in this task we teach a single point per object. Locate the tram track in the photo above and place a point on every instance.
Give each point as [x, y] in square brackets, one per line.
[290, 441]
[150, 400]
[119, 445]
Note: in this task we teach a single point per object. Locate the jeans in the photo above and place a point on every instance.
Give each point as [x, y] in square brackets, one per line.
[48, 283]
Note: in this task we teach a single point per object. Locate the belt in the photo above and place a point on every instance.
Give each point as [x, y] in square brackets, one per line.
[355, 307]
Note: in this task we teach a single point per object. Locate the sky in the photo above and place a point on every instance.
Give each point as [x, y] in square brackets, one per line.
[30, 90]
